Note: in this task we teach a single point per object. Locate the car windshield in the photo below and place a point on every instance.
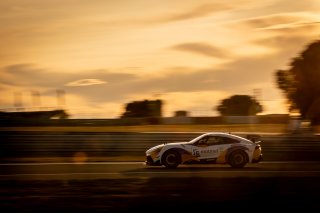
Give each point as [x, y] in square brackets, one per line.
[197, 138]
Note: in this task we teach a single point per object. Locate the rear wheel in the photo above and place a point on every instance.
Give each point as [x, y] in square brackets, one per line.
[238, 159]
[171, 159]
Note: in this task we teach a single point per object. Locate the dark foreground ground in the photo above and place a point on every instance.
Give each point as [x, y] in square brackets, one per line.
[191, 194]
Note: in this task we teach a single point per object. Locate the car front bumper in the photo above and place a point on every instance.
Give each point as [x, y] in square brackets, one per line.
[257, 160]
[149, 161]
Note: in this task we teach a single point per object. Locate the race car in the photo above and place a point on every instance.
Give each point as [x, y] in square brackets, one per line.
[212, 147]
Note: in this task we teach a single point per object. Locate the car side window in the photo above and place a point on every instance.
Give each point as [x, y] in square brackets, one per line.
[202, 141]
[214, 140]
[219, 140]
[227, 140]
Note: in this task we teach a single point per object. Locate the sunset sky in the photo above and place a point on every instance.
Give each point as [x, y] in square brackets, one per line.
[189, 53]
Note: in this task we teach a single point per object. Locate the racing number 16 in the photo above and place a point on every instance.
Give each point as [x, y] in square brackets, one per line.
[195, 152]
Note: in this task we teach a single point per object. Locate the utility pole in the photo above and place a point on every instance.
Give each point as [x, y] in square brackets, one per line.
[61, 101]
[17, 96]
[257, 94]
[36, 102]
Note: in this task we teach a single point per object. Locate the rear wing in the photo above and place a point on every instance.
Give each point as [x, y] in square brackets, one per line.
[255, 138]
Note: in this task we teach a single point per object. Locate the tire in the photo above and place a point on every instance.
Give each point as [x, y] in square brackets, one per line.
[238, 159]
[171, 159]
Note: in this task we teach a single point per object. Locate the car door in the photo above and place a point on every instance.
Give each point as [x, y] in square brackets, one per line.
[212, 149]
[205, 148]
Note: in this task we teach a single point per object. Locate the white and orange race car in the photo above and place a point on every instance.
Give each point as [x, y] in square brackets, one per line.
[214, 147]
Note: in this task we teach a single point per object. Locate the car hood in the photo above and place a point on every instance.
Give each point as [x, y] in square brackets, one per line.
[164, 144]
[175, 143]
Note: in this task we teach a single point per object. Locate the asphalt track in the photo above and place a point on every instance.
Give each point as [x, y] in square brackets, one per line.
[288, 180]
[132, 186]
[125, 170]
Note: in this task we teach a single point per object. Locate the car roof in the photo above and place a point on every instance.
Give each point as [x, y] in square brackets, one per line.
[230, 135]
[217, 133]
[225, 134]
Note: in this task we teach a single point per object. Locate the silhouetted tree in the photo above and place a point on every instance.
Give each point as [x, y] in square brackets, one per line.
[141, 109]
[181, 113]
[239, 105]
[301, 83]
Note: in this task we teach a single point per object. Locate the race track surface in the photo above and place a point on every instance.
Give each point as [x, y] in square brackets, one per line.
[132, 186]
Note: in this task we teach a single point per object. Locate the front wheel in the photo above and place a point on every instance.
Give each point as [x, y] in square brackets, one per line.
[171, 159]
[238, 159]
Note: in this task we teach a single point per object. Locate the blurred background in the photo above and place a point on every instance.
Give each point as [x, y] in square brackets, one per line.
[196, 66]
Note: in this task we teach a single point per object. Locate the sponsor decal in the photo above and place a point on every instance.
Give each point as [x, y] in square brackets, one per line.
[222, 157]
[197, 153]
[209, 151]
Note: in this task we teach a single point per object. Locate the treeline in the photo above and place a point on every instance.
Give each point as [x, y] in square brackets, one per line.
[35, 115]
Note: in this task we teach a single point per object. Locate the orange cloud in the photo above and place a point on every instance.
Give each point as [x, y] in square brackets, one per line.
[200, 48]
[85, 82]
